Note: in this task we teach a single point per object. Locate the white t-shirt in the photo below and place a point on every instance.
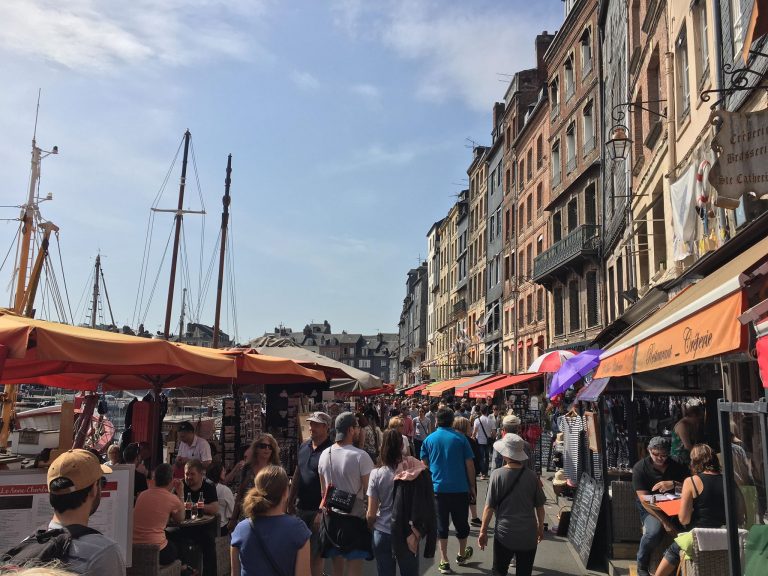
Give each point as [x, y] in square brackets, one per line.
[484, 436]
[199, 449]
[226, 503]
[344, 467]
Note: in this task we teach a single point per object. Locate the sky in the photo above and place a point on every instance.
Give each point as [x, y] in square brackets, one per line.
[350, 124]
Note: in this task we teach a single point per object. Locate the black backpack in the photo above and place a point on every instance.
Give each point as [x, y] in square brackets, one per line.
[45, 546]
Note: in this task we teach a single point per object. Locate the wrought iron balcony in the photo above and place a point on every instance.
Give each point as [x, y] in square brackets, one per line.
[583, 241]
[460, 306]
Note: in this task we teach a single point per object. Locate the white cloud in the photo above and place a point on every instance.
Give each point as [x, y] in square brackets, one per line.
[460, 48]
[367, 91]
[304, 80]
[97, 36]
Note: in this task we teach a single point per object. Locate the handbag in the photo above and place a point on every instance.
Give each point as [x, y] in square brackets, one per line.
[339, 499]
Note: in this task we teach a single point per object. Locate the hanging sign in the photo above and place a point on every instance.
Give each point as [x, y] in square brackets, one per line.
[741, 146]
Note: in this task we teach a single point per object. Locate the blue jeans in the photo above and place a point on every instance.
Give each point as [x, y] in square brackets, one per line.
[386, 562]
[653, 532]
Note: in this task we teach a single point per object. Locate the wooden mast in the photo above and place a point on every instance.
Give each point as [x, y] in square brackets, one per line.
[95, 300]
[224, 221]
[175, 255]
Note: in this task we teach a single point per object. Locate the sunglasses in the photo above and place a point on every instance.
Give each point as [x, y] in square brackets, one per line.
[264, 446]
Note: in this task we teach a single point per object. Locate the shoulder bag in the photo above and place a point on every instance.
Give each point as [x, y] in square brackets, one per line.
[335, 498]
[276, 568]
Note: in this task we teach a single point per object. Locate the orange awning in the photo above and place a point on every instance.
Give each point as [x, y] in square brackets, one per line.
[438, 388]
[486, 379]
[700, 322]
[489, 389]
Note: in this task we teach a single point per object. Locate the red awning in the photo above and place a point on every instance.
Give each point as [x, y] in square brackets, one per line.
[419, 388]
[488, 390]
[762, 359]
[486, 380]
[438, 388]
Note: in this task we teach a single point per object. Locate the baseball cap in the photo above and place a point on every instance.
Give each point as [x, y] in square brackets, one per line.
[80, 467]
[320, 418]
[186, 427]
[510, 420]
[344, 422]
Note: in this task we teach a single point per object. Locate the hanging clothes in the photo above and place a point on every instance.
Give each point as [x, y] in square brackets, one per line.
[683, 198]
[572, 427]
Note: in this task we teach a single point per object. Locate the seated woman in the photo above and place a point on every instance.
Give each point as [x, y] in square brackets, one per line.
[154, 507]
[269, 542]
[703, 501]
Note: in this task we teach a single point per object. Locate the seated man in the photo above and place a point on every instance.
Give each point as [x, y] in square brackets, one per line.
[656, 473]
[131, 456]
[154, 507]
[196, 485]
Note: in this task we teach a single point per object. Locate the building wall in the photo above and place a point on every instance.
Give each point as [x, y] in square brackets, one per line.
[494, 251]
[478, 186]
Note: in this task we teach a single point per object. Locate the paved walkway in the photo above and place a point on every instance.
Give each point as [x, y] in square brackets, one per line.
[554, 556]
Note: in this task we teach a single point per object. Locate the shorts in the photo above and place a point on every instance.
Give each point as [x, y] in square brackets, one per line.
[452, 506]
[308, 517]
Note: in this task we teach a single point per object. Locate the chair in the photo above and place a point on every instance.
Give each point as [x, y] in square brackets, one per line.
[627, 526]
[146, 562]
[223, 562]
[709, 563]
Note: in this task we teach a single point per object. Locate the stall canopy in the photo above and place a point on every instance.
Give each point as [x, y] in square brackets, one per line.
[411, 391]
[700, 322]
[438, 388]
[489, 389]
[475, 381]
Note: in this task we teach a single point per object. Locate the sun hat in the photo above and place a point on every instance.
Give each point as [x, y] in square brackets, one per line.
[80, 467]
[320, 418]
[512, 447]
[510, 420]
[560, 478]
[344, 422]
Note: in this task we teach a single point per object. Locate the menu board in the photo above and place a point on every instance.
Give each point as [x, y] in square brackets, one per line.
[585, 513]
[26, 508]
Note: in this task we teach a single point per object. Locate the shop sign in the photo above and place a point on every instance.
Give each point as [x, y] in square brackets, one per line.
[619, 364]
[741, 146]
[714, 330]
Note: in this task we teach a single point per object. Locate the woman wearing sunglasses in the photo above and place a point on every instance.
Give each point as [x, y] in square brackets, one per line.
[264, 452]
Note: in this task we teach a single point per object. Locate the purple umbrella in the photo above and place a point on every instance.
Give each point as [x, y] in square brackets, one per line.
[573, 370]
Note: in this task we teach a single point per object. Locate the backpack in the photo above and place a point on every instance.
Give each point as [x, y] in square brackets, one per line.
[45, 546]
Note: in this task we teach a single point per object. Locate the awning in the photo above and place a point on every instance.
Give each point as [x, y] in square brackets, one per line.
[700, 322]
[438, 388]
[762, 359]
[591, 392]
[413, 389]
[472, 382]
[488, 390]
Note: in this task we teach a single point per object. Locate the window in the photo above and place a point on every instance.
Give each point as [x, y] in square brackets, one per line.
[740, 13]
[492, 228]
[539, 196]
[568, 77]
[590, 205]
[588, 125]
[529, 208]
[529, 308]
[522, 173]
[573, 305]
[556, 167]
[539, 152]
[498, 222]
[539, 244]
[570, 148]
[520, 265]
[586, 52]
[520, 218]
[557, 226]
[540, 304]
[529, 159]
[507, 231]
[557, 298]
[364, 363]
[702, 32]
[529, 260]
[554, 97]
[592, 300]
[683, 83]
[573, 215]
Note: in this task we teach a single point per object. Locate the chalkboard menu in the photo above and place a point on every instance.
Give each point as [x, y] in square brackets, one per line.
[584, 515]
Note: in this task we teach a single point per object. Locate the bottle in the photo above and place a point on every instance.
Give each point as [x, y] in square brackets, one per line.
[200, 504]
[188, 507]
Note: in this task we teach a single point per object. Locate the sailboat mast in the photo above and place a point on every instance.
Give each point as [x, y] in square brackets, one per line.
[176, 238]
[95, 301]
[27, 228]
[183, 313]
[224, 221]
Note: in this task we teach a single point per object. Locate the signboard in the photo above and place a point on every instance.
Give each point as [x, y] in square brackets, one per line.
[585, 513]
[741, 146]
[620, 364]
[25, 507]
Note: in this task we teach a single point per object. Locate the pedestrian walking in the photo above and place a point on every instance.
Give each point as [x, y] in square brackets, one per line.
[484, 431]
[516, 497]
[420, 430]
[269, 542]
[462, 425]
[449, 457]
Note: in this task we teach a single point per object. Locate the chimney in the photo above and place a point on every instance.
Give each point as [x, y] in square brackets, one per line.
[498, 114]
[543, 41]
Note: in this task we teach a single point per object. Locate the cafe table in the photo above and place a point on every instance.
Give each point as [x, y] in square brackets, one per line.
[195, 535]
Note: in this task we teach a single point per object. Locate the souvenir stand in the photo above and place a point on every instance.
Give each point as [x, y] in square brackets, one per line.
[241, 423]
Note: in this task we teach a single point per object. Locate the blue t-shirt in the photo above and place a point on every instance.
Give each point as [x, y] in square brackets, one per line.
[447, 451]
[284, 536]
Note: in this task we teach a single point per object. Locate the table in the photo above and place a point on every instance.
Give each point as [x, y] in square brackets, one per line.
[198, 534]
[670, 507]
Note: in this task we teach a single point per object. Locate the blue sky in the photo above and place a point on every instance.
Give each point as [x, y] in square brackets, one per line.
[346, 119]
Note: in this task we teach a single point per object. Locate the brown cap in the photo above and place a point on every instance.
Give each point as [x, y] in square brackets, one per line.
[80, 467]
[320, 418]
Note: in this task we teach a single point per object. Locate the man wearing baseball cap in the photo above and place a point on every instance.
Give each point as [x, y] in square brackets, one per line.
[75, 480]
[305, 496]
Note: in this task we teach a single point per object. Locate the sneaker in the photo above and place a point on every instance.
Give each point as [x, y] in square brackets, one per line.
[476, 522]
[444, 567]
[462, 558]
